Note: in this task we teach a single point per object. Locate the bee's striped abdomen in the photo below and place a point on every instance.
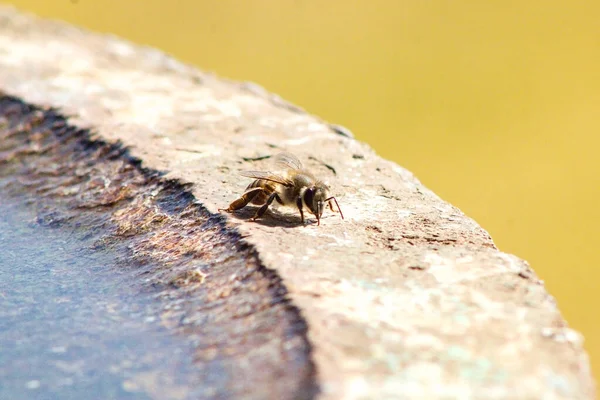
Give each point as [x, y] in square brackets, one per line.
[263, 195]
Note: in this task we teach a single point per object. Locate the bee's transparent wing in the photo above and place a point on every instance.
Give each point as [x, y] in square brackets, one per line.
[287, 160]
[267, 176]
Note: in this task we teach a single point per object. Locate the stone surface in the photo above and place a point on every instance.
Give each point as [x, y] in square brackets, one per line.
[404, 298]
[208, 289]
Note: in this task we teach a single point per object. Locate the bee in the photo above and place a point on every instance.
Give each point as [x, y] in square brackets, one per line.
[294, 186]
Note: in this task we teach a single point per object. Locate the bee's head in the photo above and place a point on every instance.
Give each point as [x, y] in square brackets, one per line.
[315, 198]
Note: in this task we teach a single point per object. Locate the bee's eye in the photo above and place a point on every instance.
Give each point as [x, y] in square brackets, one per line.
[309, 195]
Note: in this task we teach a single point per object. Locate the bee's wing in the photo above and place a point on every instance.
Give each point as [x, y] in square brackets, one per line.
[287, 160]
[267, 176]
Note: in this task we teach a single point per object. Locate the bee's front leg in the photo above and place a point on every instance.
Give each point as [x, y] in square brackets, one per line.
[336, 203]
[299, 205]
[242, 201]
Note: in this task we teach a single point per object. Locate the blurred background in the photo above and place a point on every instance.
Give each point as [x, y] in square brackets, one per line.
[495, 105]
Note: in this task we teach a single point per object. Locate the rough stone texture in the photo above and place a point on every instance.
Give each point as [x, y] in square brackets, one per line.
[405, 298]
[209, 287]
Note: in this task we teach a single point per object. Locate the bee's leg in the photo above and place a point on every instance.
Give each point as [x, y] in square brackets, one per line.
[336, 203]
[330, 206]
[264, 207]
[299, 205]
[242, 201]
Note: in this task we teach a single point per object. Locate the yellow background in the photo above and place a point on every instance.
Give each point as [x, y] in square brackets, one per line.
[493, 104]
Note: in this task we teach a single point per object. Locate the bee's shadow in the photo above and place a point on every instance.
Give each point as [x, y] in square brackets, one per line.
[272, 218]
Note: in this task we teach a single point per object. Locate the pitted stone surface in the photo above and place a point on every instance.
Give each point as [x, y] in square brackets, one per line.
[405, 298]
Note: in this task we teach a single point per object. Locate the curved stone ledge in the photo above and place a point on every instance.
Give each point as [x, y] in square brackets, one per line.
[405, 298]
[212, 286]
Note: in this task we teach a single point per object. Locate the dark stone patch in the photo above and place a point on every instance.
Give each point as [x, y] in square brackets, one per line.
[250, 341]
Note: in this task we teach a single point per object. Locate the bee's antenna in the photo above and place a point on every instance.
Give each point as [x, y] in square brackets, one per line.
[337, 205]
